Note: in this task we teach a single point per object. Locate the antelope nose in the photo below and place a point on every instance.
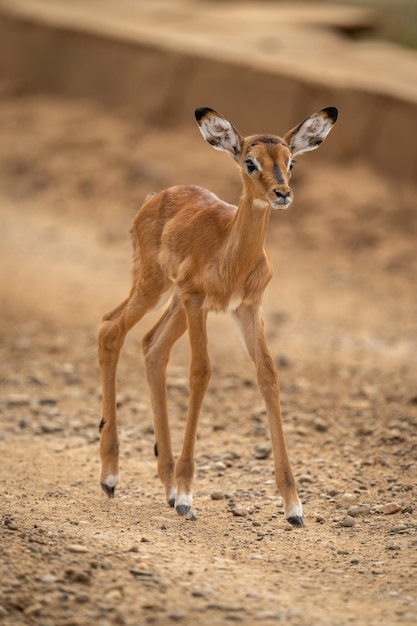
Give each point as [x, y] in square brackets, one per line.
[282, 194]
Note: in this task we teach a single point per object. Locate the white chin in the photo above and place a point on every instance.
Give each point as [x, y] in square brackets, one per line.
[281, 205]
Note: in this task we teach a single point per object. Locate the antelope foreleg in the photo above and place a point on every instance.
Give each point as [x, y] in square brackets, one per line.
[252, 329]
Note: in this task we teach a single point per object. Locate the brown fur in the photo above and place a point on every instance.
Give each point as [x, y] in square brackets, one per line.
[213, 256]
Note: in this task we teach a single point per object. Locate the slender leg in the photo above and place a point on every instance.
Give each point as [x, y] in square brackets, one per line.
[112, 332]
[157, 345]
[200, 372]
[252, 329]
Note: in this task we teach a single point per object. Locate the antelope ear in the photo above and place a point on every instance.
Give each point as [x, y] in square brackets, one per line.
[311, 133]
[219, 132]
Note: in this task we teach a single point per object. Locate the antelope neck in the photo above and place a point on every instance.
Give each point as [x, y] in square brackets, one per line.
[248, 230]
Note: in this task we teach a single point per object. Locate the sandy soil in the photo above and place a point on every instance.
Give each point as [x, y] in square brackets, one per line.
[341, 314]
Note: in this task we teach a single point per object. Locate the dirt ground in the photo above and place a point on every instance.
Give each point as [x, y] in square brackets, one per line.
[341, 314]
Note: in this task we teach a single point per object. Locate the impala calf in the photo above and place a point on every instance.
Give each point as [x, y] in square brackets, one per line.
[211, 256]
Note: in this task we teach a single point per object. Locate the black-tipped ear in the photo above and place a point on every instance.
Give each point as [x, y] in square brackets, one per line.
[331, 113]
[311, 133]
[219, 132]
[200, 112]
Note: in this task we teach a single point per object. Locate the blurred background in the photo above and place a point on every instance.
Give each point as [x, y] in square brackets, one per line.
[96, 109]
[396, 21]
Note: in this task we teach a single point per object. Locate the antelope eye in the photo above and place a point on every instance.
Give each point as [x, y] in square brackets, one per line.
[290, 165]
[250, 166]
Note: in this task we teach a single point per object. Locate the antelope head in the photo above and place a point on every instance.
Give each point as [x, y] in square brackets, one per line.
[266, 161]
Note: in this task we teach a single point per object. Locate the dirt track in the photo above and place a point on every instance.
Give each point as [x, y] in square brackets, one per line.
[341, 315]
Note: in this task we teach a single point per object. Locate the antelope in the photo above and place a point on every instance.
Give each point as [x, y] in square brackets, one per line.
[209, 256]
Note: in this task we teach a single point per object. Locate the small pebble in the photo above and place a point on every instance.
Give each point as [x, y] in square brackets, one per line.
[114, 594]
[240, 511]
[262, 450]
[231, 455]
[48, 401]
[347, 522]
[48, 578]
[390, 508]
[17, 399]
[320, 425]
[346, 500]
[216, 494]
[141, 573]
[305, 478]
[283, 361]
[354, 511]
[159, 521]
[82, 598]
[78, 576]
[77, 547]
[399, 528]
[176, 617]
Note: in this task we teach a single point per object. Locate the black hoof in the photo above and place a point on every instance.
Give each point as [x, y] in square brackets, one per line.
[109, 491]
[182, 509]
[296, 521]
[171, 502]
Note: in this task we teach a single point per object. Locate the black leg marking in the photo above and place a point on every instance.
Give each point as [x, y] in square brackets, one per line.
[182, 509]
[109, 491]
[100, 426]
[155, 449]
